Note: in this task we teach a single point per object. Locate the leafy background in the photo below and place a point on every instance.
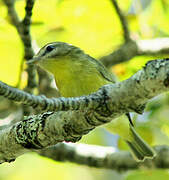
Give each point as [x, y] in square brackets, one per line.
[94, 27]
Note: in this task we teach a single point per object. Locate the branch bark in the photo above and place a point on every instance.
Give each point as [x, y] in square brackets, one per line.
[123, 21]
[85, 113]
[131, 94]
[130, 49]
[23, 29]
[104, 157]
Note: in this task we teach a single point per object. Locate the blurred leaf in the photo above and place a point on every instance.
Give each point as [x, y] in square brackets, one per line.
[165, 5]
[127, 69]
[86, 24]
[148, 175]
[96, 137]
[122, 145]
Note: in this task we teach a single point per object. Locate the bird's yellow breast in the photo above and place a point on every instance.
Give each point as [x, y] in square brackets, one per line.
[78, 86]
[78, 81]
[75, 78]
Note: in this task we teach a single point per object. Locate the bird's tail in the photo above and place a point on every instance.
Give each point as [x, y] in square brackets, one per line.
[139, 148]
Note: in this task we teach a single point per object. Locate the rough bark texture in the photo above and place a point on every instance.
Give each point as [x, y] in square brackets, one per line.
[71, 122]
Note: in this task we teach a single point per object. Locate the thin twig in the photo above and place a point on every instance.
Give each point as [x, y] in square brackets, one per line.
[12, 13]
[122, 20]
[26, 22]
[23, 28]
[28, 45]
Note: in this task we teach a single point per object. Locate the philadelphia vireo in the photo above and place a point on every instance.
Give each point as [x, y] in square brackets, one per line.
[78, 74]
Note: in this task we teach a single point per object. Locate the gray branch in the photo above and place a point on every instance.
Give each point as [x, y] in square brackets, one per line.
[130, 49]
[85, 113]
[119, 97]
[104, 157]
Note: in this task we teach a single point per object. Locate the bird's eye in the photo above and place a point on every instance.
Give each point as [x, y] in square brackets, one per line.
[50, 48]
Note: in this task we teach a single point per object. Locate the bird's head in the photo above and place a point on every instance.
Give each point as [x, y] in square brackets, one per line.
[56, 55]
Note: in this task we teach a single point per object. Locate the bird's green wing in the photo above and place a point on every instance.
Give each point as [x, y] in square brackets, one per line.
[103, 71]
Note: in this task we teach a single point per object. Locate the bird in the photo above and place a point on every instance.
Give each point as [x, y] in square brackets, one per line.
[78, 74]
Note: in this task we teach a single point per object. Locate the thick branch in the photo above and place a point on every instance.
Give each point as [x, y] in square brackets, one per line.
[40, 131]
[129, 95]
[155, 47]
[104, 157]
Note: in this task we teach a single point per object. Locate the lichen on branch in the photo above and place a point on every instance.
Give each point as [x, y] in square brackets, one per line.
[76, 117]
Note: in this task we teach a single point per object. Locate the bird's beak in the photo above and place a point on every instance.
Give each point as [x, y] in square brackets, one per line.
[34, 60]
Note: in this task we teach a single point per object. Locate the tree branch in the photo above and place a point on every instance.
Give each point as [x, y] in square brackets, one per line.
[23, 28]
[85, 113]
[12, 13]
[125, 52]
[122, 20]
[104, 157]
[145, 84]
